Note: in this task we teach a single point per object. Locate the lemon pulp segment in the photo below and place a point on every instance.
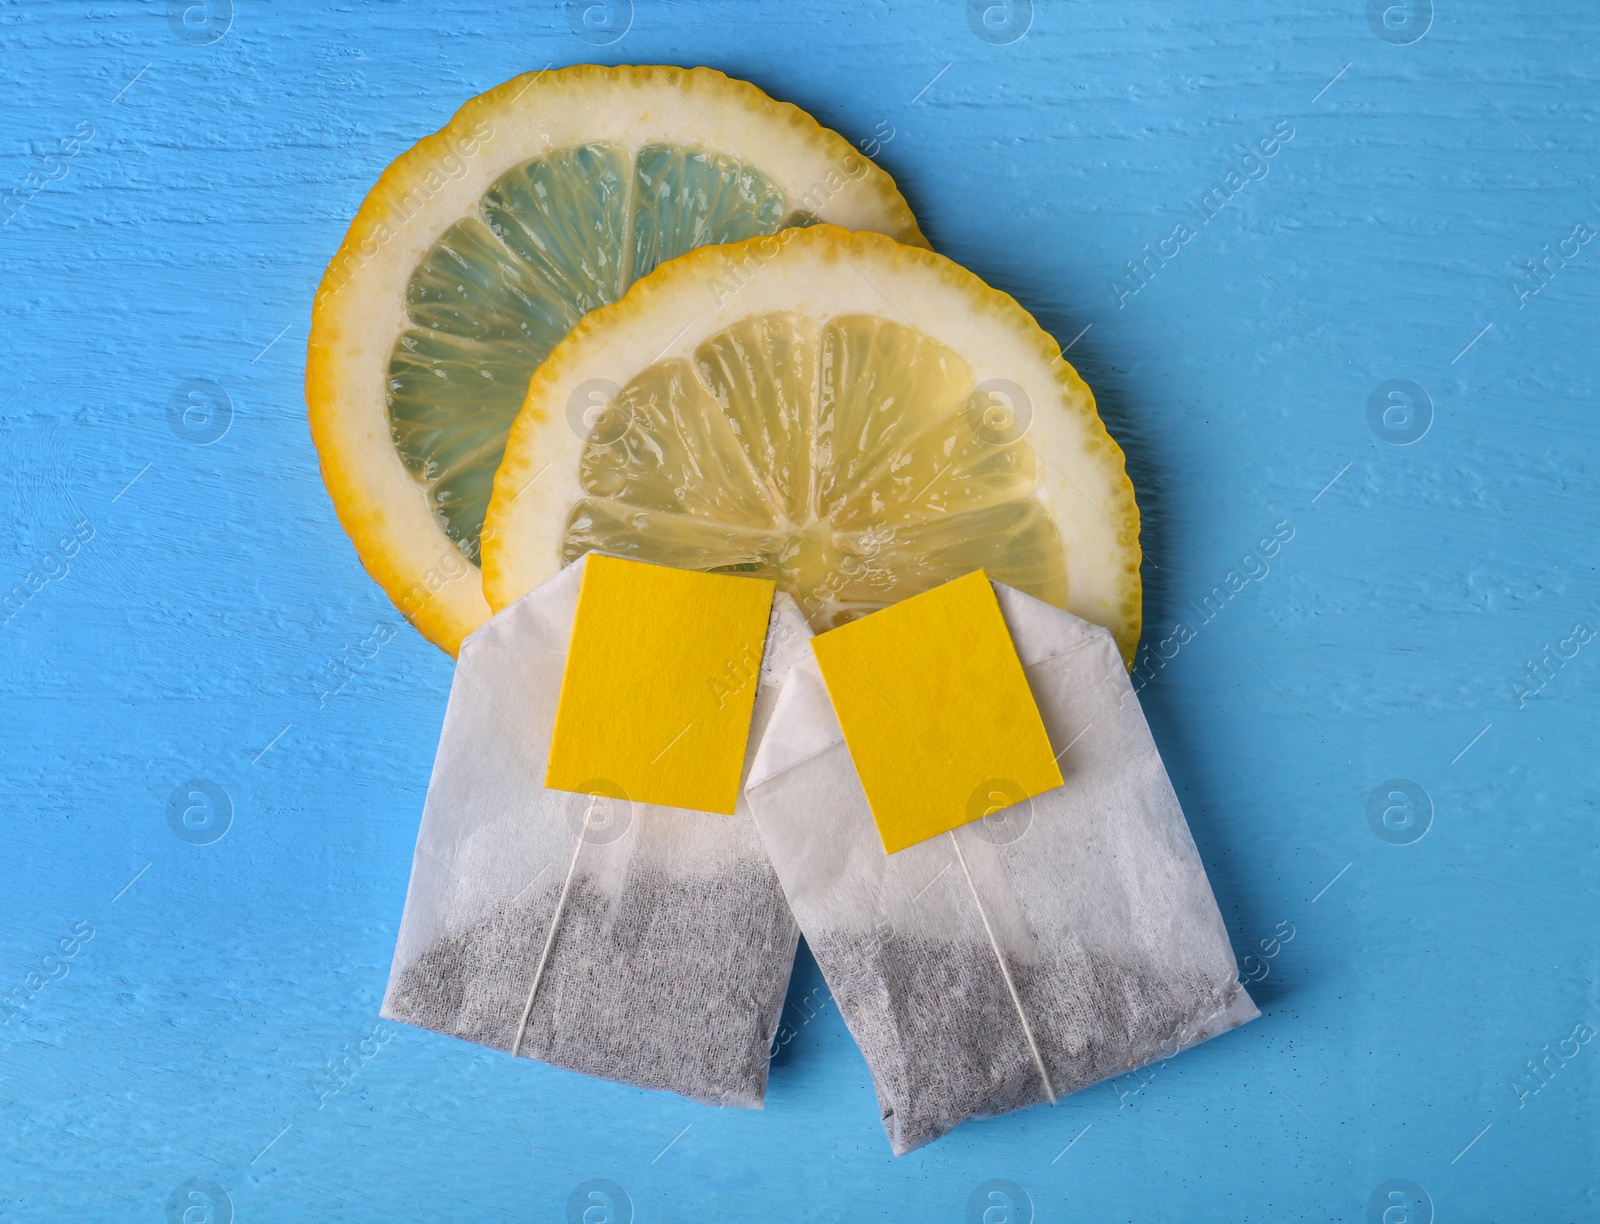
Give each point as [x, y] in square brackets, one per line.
[849, 462]
[551, 240]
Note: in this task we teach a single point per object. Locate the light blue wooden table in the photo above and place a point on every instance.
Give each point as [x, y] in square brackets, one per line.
[1379, 342]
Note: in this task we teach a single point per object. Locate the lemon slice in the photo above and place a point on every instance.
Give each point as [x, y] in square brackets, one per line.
[480, 248]
[857, 419]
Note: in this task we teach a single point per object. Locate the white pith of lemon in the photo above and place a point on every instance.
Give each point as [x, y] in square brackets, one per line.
[858, 419]
[481, 247]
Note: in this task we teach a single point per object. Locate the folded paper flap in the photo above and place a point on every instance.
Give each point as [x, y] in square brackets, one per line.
[805, 713]
[540, 620]
[788, 633]
[543, 618]
[1040, 630]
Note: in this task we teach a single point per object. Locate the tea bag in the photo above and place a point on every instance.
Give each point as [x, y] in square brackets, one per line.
[1054, 943]
[644, 944]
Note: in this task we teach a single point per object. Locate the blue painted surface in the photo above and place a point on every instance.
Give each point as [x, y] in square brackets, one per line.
[194, 1034]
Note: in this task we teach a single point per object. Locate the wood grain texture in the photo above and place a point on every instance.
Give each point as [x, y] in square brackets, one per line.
[192, 611]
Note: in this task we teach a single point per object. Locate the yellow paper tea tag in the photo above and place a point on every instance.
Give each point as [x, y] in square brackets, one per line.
[936, 711]
[659, 684]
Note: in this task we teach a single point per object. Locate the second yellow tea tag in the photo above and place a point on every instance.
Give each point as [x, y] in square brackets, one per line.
[659, 684]
[936, 711]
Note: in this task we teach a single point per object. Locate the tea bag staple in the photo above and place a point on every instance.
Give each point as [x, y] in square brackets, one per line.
[1015, 959]
[644, 944]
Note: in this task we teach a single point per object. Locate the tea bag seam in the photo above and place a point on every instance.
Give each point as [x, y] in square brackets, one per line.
[1016, 1000]
[549, 942]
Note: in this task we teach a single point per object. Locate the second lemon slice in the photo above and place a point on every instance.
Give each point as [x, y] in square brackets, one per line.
[856, 419]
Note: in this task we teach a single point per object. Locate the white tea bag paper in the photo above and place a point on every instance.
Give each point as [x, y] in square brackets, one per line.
[1020, 957]
[643, 944]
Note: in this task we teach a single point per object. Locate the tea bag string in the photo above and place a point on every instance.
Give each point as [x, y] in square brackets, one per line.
[549, 939]
[1016, 1000]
